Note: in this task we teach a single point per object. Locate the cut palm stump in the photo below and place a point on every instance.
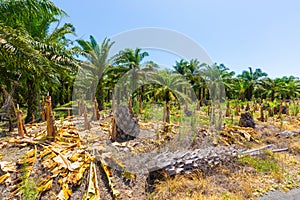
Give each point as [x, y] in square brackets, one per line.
[96, 114]
[21, 126]
[51, 127]
[87, 125]
[246, 120]
[124, 125]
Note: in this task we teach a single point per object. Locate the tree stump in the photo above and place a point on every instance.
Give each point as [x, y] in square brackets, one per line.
[21, 126]
[227, 109]
[96, 113]
[246, 120]
[87, 125]
[124, 125]
[51, 127]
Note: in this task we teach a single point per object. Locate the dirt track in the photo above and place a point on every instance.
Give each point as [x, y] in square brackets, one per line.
[278, 195]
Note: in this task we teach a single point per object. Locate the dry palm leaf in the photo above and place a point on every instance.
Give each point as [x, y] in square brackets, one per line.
[108, 173]
[93, 191]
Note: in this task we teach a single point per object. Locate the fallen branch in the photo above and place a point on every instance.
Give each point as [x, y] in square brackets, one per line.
[256, 151]
[280, 150]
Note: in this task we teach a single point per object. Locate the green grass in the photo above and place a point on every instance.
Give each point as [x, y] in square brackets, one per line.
[261, 165]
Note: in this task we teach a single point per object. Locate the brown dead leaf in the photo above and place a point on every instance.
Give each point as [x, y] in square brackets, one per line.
[4, 177]
[8, 166]
[46, 186]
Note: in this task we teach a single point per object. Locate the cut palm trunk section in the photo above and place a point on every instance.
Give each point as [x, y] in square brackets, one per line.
[21, 126]
[51, 127]
[262, 118]
[79, 109]
[96, 114]
[113, 130]
[124, 126]
[87, 125]
[227, 109]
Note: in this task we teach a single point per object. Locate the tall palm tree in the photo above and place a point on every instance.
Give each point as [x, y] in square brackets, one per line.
[239, 89]
[191, 70]
[181, 67]
[32, 18]
[16, 50]
[227, 79]
[97, 63]
[271, 88]
[292, 87]
[251, 80]
[132, 60]
[167, 86]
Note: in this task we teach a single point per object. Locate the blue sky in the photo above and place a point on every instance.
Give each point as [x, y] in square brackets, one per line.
[239, 34]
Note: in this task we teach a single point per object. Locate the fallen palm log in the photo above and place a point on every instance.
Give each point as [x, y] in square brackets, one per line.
[178, 162]
[185, 162]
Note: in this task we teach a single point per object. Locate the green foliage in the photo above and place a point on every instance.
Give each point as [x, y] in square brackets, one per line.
[261, 165]
[147, 109]
[37, 59]
[294, 109]
[28, 189]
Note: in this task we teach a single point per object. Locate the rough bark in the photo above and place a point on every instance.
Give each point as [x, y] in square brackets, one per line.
[21, 126]
[51, 127]
[87, 125]
[246, 120]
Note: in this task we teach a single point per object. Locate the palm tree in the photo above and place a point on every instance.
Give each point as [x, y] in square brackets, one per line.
[227, 78]
[214, 81]
[191, 70]
[167, 87]
[97, 63]
[16, 50]
[239, 89]
[31, 19]
[271, 88]
[292, 87]
[181, 67]
[251, 80]
[131, 60]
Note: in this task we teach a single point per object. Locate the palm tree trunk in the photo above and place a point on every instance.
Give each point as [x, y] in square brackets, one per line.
[167, 112]
[130, 105]
[100, 98]
[167, 108]
[141, 99]
[199, 99]
[32, 101]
